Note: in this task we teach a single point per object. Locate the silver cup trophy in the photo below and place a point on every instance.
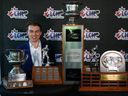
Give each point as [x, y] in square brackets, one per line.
[16, 57]
[72, 11]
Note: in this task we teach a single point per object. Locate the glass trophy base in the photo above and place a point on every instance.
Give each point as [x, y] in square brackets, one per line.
[16, 84]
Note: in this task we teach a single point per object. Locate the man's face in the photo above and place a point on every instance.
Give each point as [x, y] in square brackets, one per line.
[34, 33]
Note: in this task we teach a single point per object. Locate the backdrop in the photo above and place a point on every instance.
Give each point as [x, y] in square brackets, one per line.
[105, 25]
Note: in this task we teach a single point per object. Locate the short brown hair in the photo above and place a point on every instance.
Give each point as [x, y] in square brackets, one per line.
[34, 24]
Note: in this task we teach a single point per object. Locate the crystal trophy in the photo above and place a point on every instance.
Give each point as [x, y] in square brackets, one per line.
[16, 77]
[94, 66]
[16, 58]
[72, 44]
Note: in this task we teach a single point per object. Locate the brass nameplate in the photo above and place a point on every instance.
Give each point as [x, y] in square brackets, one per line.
[113, 77]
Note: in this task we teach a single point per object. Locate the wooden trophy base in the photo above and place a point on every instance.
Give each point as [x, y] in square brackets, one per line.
[99, 81]
[46, 75]
[17, 84]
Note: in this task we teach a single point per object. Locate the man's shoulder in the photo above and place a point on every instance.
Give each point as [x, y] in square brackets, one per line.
[44, 43]
[23, 46]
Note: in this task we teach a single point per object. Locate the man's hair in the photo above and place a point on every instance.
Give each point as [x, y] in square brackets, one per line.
[34, 24]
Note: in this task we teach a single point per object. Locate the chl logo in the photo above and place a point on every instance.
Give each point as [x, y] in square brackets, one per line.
[53, 14]
[89, 14]
[121, 13]
[17, 36]
[121, 34]
[17, 14]
[91, 35]
[53, 36]
[125, 55]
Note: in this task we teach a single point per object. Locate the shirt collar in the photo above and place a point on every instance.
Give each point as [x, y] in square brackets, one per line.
[33, 46]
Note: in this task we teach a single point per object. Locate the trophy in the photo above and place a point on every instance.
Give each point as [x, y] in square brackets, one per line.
[72, 11]
[45, 56]
[46, 74]
[16, 77]
[16, 57]
[72, 44]
[112, 61]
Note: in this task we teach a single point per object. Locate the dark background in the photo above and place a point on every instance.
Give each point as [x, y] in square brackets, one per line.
[107, 24]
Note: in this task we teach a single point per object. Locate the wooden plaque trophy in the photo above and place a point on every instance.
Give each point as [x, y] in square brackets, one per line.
[46, 74]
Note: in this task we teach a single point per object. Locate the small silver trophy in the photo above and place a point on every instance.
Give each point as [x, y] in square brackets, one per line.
[72, 11]
[45, 56]
[16, 57]
[112, 61]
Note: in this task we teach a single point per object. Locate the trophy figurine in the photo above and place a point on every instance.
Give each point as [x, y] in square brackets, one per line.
[45, 56]
[16, 57]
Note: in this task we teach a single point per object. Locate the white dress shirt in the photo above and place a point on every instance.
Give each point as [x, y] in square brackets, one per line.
[36, 54]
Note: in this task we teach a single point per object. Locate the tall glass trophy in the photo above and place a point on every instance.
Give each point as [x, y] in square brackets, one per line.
[16, 77]
[72, 44]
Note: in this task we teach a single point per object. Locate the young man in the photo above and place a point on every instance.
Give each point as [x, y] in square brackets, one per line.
[33, 48]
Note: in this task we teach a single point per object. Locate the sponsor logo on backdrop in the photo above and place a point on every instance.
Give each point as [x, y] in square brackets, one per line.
[121, 34]
[89, 57]
[53, 14]
[17, 36]
[125, 55]
[89, 14]
[17, 14]
[53, 36]
[121, 13]
[58, 57]
[91, 35]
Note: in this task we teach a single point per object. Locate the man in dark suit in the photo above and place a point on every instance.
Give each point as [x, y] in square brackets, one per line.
[33, 49]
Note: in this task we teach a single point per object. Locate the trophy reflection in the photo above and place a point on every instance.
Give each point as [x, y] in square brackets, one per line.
[45, 56]
[16, 57]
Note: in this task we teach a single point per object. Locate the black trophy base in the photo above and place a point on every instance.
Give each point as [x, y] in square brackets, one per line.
[16, 84]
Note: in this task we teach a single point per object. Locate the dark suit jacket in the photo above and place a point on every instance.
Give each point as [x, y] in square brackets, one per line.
[27, 66]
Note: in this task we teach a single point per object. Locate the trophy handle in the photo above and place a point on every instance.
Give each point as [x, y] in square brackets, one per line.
[6, 54]
[24, 56]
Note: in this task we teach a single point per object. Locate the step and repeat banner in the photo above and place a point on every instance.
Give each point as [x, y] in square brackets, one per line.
[105, 25]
